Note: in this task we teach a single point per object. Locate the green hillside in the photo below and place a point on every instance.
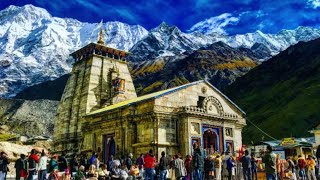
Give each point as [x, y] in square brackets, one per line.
[282, 95]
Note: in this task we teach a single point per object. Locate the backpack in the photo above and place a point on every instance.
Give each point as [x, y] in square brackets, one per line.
[32, 163]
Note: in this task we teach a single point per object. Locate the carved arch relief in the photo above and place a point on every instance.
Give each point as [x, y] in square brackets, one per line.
[212, 105]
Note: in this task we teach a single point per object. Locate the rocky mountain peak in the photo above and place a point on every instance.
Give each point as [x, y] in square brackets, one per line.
[35, 47]
[165, 28]
[24, 13]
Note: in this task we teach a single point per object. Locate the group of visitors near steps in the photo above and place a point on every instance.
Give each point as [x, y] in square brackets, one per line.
[193, 167]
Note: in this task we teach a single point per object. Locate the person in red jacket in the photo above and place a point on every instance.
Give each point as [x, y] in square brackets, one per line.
[302, 167]
[32, 161]
[149, 161]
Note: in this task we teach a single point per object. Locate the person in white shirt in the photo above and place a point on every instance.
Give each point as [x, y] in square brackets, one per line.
[42, 168]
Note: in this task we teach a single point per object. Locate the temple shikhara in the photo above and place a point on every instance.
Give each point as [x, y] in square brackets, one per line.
[100, 111]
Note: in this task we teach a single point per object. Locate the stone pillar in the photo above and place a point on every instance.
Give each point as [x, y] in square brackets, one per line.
[184, 134]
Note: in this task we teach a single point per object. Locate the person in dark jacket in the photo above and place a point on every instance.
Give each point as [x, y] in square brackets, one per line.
[198, 164]
[84, 162]
[74, 164]
[3, 165]
[163, 166]
[254, 167]
[63, 163]
[32, 161]
[20, 166]
[246, 165]
[140, 161]
[230, 167]
[269, 159]
[129, 161]
[206, 168]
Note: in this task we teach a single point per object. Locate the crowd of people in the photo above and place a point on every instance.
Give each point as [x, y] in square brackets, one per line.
[146, 166]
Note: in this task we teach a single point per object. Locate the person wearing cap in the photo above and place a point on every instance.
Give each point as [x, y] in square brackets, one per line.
[32, 161]
[129, 161]
[269, 159]
[42, 168]
[3, 165]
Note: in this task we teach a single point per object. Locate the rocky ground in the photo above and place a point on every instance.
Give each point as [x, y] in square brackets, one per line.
[30, 118]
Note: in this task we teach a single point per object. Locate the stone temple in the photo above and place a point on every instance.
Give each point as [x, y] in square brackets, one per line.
[100, 111]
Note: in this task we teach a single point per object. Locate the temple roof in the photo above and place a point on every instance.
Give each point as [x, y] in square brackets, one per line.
[158, 95]
[102, 49]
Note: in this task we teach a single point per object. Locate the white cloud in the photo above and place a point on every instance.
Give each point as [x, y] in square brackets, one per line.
[215, 24]
[314, 3]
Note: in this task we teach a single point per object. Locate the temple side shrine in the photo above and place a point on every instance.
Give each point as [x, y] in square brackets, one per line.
[100, 111]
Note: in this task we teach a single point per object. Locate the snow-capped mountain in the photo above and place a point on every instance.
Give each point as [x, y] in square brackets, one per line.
[169, 40]
[35, 47]
[166, 40]
[275, 42]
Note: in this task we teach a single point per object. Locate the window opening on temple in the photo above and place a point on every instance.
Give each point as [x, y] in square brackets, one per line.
[200, 101]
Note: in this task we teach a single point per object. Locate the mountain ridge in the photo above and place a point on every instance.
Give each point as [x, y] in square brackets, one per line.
[282, 94]
[35, 46]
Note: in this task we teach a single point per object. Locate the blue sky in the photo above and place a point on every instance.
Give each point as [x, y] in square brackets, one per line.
[269, 16]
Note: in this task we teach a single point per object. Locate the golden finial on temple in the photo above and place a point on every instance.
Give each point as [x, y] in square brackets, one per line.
[100, 40]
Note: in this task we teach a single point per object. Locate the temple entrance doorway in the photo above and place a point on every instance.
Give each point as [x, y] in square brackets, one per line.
[108, 147]
[210, 142]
